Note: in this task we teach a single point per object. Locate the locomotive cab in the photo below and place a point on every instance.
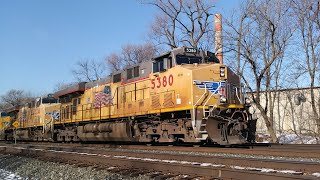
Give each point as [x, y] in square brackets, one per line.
[202, 68]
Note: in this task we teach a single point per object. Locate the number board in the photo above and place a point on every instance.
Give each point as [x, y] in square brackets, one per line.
[191, 50]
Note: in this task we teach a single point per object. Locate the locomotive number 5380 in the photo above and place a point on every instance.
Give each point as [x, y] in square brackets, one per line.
[164, 81]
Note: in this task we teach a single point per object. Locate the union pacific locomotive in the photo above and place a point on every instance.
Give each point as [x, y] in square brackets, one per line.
[184, 95]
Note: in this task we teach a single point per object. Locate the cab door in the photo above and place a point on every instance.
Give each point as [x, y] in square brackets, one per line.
[76, 112]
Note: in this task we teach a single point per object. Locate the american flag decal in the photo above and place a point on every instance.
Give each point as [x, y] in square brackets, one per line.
[101, 98]
[24, 115]
[222, 88]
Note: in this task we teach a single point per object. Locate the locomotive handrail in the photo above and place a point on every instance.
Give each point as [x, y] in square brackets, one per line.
[193, 107]
[243, 93]
[238, 95]
[204, 106]
[205, 91]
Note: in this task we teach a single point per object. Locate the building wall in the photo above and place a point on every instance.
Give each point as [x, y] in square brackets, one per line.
[289, 116]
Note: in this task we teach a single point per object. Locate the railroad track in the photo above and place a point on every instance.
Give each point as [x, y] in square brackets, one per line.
[175, 164]
[298, 151]
[295, 146]
[281, 150]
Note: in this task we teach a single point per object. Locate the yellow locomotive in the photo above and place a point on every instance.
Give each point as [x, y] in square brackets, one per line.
[4, 124]
[184, 95]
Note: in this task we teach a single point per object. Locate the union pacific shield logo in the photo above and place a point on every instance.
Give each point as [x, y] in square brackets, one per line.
[212, 86]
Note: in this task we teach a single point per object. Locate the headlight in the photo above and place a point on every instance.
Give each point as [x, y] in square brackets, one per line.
[223, 99]
[222, 71]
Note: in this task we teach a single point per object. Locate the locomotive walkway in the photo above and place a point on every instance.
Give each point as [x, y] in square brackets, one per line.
[188, 162]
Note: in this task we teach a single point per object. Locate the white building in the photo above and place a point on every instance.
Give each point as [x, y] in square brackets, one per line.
[292, 111]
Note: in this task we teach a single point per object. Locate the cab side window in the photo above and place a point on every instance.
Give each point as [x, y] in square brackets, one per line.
[155, 67]
[117, 78]
[75, 103]
[107, 90]
[130, 73]
[74, 106]
[136, 71]
[169, 63]
[158, 66]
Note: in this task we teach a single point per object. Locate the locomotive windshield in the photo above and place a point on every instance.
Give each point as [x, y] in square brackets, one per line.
[49, 100]
[3, 114]
[180, 59]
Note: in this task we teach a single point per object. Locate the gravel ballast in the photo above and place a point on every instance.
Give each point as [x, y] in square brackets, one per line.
[15, 167]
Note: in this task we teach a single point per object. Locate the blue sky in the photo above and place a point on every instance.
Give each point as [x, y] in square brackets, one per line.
[40, 41]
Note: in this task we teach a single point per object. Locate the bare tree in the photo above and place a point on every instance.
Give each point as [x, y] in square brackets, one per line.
[290, 97]
[186, 22]
[307, 14]
[62, 85]
[13, 98]
[133, 54]
[89, 70]
[259, 42]
[114, 62]
[300, 111]
[130, 54]
[3, 106]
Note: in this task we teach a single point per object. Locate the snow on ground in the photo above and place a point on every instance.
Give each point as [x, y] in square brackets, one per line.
[294, 139]
[267, 170]
[7, 175]
[288, 138]
[316, 174]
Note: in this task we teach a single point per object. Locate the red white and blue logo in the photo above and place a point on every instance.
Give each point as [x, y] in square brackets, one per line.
[212, 86]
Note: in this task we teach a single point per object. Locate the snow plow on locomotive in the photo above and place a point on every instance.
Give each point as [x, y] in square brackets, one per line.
[184, 95]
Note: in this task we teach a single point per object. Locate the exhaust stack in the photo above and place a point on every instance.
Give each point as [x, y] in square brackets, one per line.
[218, 37]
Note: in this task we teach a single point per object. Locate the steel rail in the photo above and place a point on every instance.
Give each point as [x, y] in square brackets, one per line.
[93, 157]
[302, 151]
[194, 170]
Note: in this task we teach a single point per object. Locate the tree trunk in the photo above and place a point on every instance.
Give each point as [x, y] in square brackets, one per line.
[269, 123]
[272, 134]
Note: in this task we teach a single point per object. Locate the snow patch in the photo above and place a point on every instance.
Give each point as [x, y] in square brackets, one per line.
[20, 148]
[120, 156]
[88, 154]
[238, 167]
[185, 162]
[149, 159]
[7, 175]
[288, 138]
[169, 161]
[290, 172]
[39, 149]
[266, 170]
[205, 164]
[316, 174]
[134, 158]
